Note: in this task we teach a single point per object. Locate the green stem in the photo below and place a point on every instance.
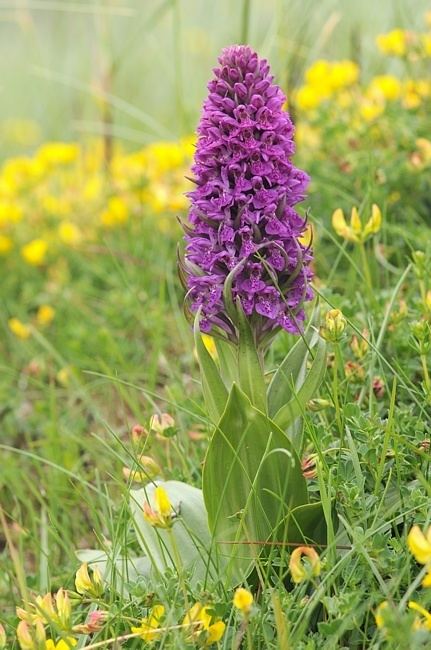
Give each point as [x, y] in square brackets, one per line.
[179, 566]
[335, 391]
[245, 20]
[367, 273]
[426, 374]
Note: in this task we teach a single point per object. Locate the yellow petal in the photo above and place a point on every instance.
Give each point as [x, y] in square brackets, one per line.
[426, 582]
[355, 221]
[374, 224]
[215, 632]
[340, 226]
[163, 504]
[419, 545]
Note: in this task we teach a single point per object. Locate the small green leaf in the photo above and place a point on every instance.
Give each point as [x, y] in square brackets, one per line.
[250, 368]
[213, 388]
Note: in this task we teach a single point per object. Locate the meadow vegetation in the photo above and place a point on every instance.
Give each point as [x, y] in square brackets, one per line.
[100, 392]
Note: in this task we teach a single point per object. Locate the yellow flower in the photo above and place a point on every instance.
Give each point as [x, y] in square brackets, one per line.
[384, 86]
[343, 74]
[69, 233]
[63, 644]
[35, 251]
[425, 621]
[10, 212]
[427, 17]
[380, 614]
[149, 629]
[21, 330]
[203, 624]
[163, 515]
[370, 109]
[116, 213]
[393, 43]
[243, 600]
[356, 232]
[5, 244]
[297, 568]
[308, 98]
[45, 315]
[420, 545]
[85, 584]
[57, 153]
[426, 44]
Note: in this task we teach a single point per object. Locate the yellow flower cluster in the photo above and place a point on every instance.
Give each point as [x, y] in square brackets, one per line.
[323, 80]
[66, 194]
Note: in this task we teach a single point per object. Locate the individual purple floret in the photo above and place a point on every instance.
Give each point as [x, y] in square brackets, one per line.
[242, 211]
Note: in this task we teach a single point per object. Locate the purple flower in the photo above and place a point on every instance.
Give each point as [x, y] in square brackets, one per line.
[242, 214]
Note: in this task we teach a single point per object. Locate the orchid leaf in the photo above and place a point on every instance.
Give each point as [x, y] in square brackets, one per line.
[260, 483]
[214, 390]
[295, 407]
[291, 373]
[251, 378]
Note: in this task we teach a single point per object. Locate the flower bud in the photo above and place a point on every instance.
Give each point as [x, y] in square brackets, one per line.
[334, 326]
[378, 387]
[163, 514]
[139, 433]
[419, 262]
[93, 624]
[359, 346]
[64, 608]
[354, 372]
[318, 404]
[148, 469]
[163, 424]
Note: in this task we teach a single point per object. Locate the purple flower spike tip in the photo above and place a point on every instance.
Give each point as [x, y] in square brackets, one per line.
[242, 209]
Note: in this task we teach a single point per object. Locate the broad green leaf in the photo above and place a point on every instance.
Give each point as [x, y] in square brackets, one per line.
[290, 374]
[306, 524]
[228, 362]
[250, 368]
[295, 407]
[252, 479]
[213, 388]
[190, 531]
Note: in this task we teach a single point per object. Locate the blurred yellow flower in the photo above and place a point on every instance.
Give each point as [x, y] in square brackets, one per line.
[308, 98]
[69, 233]
[243, 600]
[423, 623]
[420, 544]
[21, 330]
[393, 43]
[427, 17]
[45, 315]
[35, 251]
[10, 213]
[384, 86]
[57, 153]
[5, 244]
[379, 614]
[116, 213]
[299, 571]
[149, 628]
[426, 44]
[370, 109]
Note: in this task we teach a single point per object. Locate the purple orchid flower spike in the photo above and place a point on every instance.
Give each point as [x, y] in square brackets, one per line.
[243, 226]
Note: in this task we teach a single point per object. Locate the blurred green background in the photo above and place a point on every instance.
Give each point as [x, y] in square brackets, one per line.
[59, 61]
